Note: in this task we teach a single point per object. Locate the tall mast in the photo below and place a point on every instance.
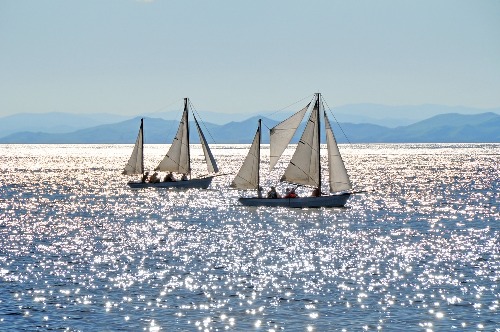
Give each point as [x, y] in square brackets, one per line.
[187, 129]
[142, 146]
[258, 155]
[318, 103]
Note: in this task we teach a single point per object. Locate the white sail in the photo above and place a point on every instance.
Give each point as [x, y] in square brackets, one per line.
[135, 163]
[248, 176]
[211, 164]
[282, 133]
[304, 167]
[339, 179]
[177, 157]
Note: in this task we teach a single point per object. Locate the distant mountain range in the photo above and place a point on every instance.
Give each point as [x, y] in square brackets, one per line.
[382, 115]
[54, 122]
[443, 128]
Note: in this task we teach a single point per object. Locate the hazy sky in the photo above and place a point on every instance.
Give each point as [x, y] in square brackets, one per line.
[132, 57]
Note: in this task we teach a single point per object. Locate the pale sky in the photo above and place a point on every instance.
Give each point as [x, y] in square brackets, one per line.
[131, 57]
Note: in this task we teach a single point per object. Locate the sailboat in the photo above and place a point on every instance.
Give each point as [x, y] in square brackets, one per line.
[176, 160]
[304, 168]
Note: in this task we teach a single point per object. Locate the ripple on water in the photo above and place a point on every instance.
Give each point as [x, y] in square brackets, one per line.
[79, 250]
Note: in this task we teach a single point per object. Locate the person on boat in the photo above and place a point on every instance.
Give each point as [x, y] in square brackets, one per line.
[184, 177]
[316, 192]
[169, 177]
[259, 192]
[272, 193]
[290, 193]
[144, 177]
[154, 178]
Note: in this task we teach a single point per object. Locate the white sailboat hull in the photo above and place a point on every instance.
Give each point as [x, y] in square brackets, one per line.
[202, 183]
[299, 202]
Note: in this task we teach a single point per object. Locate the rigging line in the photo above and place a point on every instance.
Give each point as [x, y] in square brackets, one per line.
[309, 145]
[242, 178]
[202, 122]
[284, 108]
[300, 169]
[164, 107]
[292, 163]
[167, 156]
[172, 126]
[267, 126]
[308, 105]
[343, 132]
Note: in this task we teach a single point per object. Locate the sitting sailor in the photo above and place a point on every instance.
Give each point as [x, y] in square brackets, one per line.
[272, 193]
[169, 177]
[154, 178]
[290, 193]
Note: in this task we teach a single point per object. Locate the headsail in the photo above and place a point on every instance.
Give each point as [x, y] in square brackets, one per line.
[177, 157]
[339, 179]
[211, 164]
[135, 164]
[282, 133]
[248, 176]
[304, 167]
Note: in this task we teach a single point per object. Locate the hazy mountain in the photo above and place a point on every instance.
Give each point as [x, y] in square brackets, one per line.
[382, 115]
[441, 128]
[122, 132]
[214, 117]
[449, 128]
[54, 122]
[395, 116]
[155, 131]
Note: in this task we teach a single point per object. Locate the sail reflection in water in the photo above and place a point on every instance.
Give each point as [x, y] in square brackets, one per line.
[80, 251]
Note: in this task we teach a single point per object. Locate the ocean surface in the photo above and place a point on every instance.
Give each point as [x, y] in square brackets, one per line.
[80, 251]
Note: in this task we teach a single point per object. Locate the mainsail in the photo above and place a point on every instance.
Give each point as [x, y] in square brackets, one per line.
[282, 133]
[339, 179]
[177, 157]
[248, 176]
[304, 167]
[211, 164]
[135, 164]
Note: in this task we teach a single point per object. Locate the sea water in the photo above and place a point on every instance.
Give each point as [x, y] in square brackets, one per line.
[418, 251]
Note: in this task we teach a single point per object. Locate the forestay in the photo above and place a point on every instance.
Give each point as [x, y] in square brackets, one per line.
[339, 179]
[282, 133]
[135, 163]
[177, 157]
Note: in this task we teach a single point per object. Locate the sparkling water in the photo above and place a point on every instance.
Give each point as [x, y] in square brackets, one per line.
[418, 251]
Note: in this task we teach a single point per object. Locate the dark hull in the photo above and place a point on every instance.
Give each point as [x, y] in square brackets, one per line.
[298, 202]
[193, 183]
